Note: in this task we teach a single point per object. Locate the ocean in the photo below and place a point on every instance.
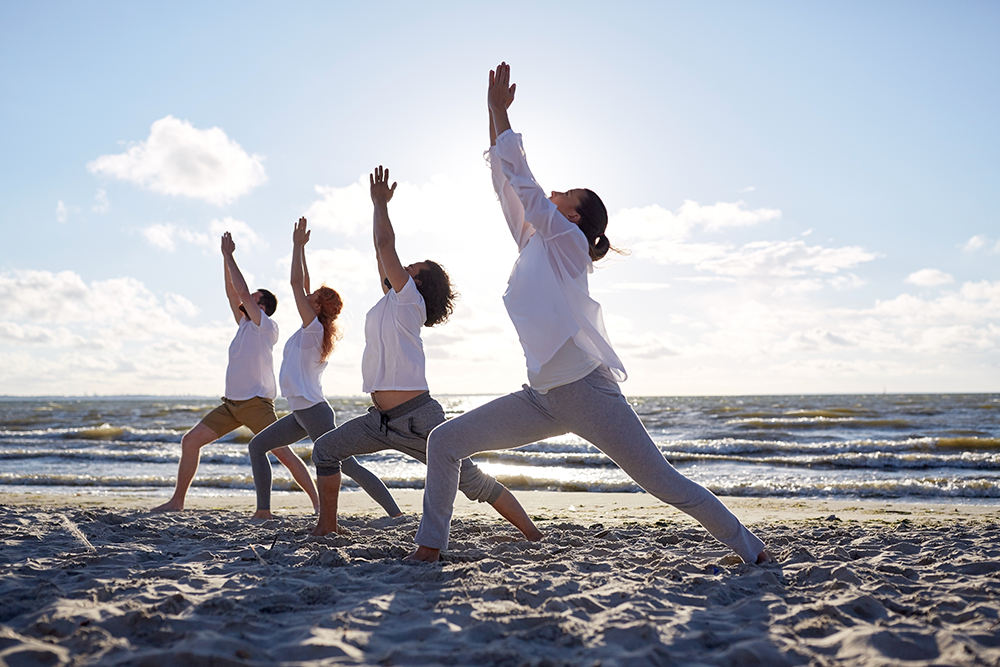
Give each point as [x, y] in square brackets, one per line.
[942, 447]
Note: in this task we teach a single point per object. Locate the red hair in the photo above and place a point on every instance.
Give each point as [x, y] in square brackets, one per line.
[330, 305]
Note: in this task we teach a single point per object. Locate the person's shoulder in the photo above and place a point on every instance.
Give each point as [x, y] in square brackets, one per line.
[409, 294]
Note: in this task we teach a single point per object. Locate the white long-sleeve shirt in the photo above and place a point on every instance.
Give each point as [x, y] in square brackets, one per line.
[547, 297]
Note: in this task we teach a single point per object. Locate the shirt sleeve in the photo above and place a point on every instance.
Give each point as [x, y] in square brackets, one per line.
[538, 211]
[409, 304]
[511, 205]
[566, 245]
[268, 327]
[312, 334]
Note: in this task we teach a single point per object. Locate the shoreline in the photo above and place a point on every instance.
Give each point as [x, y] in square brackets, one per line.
[582, 506]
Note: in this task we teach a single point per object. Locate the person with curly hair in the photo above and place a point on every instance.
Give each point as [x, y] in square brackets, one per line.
[302, 367]
[393, 371]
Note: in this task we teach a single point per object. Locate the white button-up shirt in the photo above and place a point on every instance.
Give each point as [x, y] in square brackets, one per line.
[547, 297]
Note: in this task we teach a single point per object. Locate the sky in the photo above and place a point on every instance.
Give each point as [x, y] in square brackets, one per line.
[805, 193]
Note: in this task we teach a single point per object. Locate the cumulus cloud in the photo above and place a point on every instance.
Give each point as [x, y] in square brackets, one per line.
[167, 235]
[663, 236]
[63, 335]
[180, 159]
[929, 278]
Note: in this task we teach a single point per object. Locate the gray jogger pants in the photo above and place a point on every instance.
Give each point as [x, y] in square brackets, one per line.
[592, 408]
[404, 428]
[314, 422]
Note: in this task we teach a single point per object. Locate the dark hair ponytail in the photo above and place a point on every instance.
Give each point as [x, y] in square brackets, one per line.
[593, 222]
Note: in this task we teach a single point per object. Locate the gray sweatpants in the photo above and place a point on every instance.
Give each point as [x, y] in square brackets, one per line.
[404, 428]
[592, 408]
[314, 422]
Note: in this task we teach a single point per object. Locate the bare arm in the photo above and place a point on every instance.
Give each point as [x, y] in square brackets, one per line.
[236, 278]
[300, 275]
[500, 97]
[231, 295]
[382, 280]
[385, 238]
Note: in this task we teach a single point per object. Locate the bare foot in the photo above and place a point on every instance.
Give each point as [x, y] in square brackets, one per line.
[764, 557]
[320, 530]
[169, 506]
[261, 515]
[424, 555]
[534, 534]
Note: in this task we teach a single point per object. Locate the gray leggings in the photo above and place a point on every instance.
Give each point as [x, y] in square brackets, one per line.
[405, 429]
[314, 422]
[592, 408]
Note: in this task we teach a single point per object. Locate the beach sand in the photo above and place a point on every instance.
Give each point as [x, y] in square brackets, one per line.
[619, 579]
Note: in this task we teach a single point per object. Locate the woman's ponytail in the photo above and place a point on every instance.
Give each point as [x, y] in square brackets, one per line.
[593, 222]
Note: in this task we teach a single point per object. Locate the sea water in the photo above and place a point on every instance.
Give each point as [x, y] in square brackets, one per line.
[930, 446]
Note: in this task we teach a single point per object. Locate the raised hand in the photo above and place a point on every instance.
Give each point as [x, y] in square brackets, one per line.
[380, 189]
[501, 90]
[228, 245]
[300, 236]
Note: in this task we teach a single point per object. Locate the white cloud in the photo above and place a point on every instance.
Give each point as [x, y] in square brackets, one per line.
[347, 210]
[101, 202]
[748, 188]
[179, 159]
[929, 278]
[975, 243]
[167, 235]
[62, 213]
[662, 236]
[62, 335]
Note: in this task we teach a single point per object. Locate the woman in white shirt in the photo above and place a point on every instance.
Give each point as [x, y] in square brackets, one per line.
[573, 372]
[302, 367]
[403, 411]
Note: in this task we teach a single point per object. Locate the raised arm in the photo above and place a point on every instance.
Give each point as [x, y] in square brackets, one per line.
[300, 274]
[385, 238]
[231, 295]
[238, 283]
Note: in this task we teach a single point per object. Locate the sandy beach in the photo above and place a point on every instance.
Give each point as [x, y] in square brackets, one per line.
[619, 579]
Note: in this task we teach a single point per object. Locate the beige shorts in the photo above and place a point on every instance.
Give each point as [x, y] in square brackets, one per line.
[255, 413]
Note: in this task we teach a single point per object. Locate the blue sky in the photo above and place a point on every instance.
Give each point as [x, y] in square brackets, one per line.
[805, 188]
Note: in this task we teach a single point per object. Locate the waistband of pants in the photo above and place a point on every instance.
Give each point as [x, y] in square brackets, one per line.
[407, 406]
[255, 398]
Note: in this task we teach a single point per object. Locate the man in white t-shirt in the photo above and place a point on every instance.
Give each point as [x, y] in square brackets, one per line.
[250, 386]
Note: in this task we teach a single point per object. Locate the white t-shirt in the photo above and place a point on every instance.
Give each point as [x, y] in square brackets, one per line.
[394, 353]
[547, 297]
[301, 368]
[251, 364]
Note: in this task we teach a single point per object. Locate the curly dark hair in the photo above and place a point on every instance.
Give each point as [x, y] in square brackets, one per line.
[330, 305]
[439, 295]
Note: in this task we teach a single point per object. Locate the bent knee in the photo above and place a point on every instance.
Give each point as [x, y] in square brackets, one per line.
[481, 487]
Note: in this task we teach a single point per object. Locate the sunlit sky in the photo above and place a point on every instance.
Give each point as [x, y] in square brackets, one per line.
[808, 191]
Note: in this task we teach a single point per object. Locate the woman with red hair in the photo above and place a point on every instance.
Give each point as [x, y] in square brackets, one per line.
[302, 366]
